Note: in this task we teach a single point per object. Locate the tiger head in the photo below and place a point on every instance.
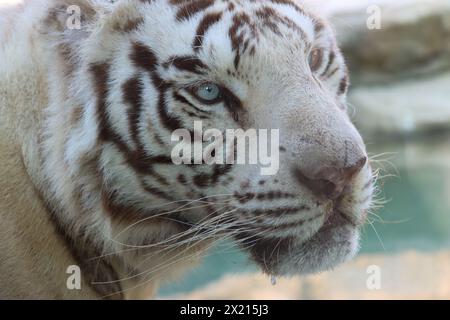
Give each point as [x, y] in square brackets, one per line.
[140, 70]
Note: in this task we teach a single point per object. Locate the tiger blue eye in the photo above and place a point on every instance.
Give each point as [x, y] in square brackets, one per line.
[208, 92]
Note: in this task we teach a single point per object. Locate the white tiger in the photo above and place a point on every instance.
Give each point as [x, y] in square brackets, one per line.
[87, 114]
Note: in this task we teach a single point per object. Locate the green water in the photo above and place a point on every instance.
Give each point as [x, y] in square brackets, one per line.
[415, 217]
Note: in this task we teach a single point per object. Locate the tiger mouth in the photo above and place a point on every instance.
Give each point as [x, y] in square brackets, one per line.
[341, 220]
[349, 218]
[287, 256]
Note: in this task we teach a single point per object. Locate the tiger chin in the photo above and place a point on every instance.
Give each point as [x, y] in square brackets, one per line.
[88, 109]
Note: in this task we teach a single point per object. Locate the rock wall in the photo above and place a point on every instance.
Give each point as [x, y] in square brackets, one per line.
[400, 72]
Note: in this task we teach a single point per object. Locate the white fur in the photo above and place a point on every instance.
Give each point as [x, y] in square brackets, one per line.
[277, 90]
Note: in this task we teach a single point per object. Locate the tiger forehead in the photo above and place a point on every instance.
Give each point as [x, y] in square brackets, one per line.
[247, 25]
[225, 40]
[248, 18]
[188, 7]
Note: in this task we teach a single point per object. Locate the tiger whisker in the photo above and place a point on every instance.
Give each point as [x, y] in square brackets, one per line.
[214, 232]
[135, 247]
[159, 252]
[190, 200]
[158, 267]
[153, 270]
[163, 265]
[179, 209]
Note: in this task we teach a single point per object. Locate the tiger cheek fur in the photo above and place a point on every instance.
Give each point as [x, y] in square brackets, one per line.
[119, 88]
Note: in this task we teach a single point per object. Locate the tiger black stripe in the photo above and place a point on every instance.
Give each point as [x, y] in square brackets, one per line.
[333, 72]
[220, 170]
[155, 134]
[232, 103]
[186, 63]
[100, 74]
[276, 211]
[171, 123]
[207, 22]
[269, 18]
[272, 20]
[343, 85]
[143, 57]
[192, 8]
[119, 211]
[271, 195]
[318, 27]
[193, 115]
[157, 192]
[140, 162]
[330, 62]
[195, 112]
[239, 20]
[285, 226]
[202, 180]
[181, 178]
[132, 95]
[176, 2]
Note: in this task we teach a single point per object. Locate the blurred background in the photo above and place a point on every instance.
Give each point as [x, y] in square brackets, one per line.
[398, 53]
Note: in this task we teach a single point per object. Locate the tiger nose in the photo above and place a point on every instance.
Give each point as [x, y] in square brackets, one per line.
[329, 181]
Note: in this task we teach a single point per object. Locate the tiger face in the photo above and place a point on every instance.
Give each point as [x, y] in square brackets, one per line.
[152, 67]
